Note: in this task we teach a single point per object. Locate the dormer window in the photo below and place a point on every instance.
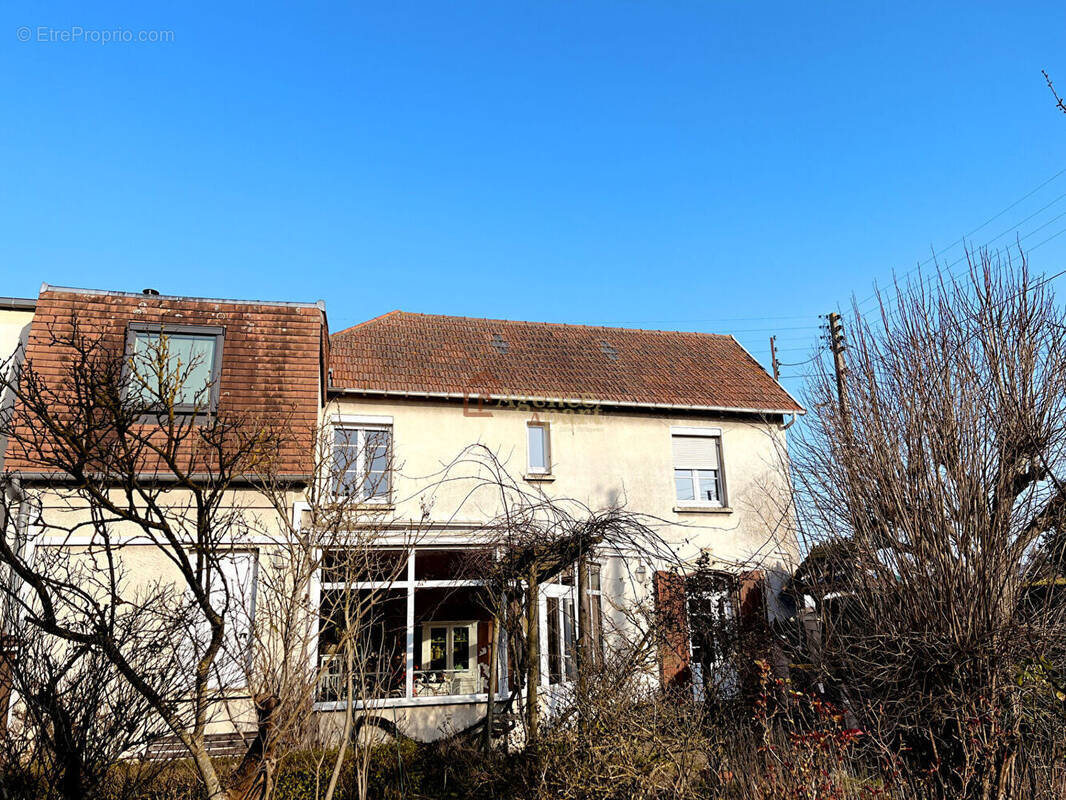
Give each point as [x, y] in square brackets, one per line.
[175, 366]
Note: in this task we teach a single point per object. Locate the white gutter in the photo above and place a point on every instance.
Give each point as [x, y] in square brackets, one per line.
[576, 402]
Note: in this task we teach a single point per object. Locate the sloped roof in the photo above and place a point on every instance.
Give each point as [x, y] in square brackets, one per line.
[431, 355]
[273, 358]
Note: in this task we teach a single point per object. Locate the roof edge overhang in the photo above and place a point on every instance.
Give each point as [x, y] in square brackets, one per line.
[64, 479]
[18, 303]
[319, 304]
[757, 363]
[585, 401]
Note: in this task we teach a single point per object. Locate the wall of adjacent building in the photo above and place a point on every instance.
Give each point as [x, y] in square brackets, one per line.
[14, 331]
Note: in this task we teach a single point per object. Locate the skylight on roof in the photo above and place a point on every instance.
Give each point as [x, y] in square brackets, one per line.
[609, 351]
[499, 343]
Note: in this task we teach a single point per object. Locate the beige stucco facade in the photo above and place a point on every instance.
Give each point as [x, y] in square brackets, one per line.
[602, 457]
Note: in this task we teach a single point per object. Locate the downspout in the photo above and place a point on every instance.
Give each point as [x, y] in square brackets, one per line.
[18, 494]
[790, 423]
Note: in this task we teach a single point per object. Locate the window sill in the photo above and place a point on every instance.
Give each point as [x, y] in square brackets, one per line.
[357, 506]
[699, 509]
[539, 477]
[161, 419]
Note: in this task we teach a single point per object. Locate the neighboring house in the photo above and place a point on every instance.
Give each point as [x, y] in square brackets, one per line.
[685, 428]
[16, 313]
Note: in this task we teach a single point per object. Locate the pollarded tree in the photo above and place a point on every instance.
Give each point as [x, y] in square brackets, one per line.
[943, 468]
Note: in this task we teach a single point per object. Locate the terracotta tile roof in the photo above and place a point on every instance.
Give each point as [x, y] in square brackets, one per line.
[422, 354]
[273, 355]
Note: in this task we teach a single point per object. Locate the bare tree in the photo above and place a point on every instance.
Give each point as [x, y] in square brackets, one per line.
[123, 467]
[304, 649]
[75, 721]
[942, 473]
[531, 540]
[1059, 102]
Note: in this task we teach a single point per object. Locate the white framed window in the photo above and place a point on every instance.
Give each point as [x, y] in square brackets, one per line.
[710, 600]
[559, 631]
[595, 595]
[697, 456]
[362, 462]
[449, 659]
[538, 438]
[231, 591]
[189, 358]
[423, 633]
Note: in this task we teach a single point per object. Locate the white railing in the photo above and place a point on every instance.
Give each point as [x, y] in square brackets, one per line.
[445, 682]
[333, 684]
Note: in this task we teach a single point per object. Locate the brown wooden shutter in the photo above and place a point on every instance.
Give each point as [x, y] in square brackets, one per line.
[752, 593]
[671, 612]
[8, 654]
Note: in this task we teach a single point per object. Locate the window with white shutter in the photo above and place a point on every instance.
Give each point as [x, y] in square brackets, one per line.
[697, 466]
[232, 591]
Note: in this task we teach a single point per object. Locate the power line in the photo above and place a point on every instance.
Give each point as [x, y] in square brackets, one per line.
[731, 330]
[801, 363]
[950, 267]
[704, 321]
[1057, 217]
[983, 225]
[1048, 239]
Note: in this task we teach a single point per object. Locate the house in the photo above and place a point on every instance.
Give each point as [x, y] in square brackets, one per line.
[685, 430]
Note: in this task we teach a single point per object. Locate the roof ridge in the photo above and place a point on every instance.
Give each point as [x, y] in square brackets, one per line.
[368, 321]
[573, 325]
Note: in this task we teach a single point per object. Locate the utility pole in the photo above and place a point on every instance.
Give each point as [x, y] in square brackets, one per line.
[773, 358]
[836, 344]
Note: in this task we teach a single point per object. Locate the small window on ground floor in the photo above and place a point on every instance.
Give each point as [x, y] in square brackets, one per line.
[453, 633]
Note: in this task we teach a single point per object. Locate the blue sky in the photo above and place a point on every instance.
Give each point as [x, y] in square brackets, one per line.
[722, 166]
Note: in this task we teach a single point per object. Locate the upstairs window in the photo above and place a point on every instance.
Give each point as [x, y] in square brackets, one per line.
[539, 460]
[697, 466]
[362, 461]
[175, 366]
